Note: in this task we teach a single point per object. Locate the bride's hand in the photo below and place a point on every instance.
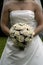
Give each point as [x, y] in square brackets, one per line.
[31, 36]
[11, 34]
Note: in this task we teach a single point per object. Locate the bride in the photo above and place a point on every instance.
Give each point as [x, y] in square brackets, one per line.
[26, 12]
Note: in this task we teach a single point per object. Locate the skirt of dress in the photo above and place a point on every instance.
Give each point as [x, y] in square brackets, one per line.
[31, 55]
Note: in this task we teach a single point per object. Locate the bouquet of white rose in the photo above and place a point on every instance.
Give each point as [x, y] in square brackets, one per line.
[21, 34]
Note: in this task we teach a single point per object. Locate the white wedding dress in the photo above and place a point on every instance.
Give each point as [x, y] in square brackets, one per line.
[33, 53]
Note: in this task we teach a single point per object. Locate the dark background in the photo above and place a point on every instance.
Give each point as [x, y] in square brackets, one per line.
[42, 3]
[1, 5]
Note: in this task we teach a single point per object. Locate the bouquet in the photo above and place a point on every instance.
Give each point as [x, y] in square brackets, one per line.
[21, 34]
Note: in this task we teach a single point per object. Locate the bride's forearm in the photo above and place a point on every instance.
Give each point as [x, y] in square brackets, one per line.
[38, 30]
[5, 29]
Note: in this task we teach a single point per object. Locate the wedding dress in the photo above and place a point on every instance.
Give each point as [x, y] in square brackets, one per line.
[33, 52]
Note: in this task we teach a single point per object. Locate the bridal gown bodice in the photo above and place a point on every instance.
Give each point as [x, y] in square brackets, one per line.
[32, 54]
[23, 16]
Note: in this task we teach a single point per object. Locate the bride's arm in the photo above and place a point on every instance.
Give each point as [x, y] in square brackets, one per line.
[5, 20]
[39, 19]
